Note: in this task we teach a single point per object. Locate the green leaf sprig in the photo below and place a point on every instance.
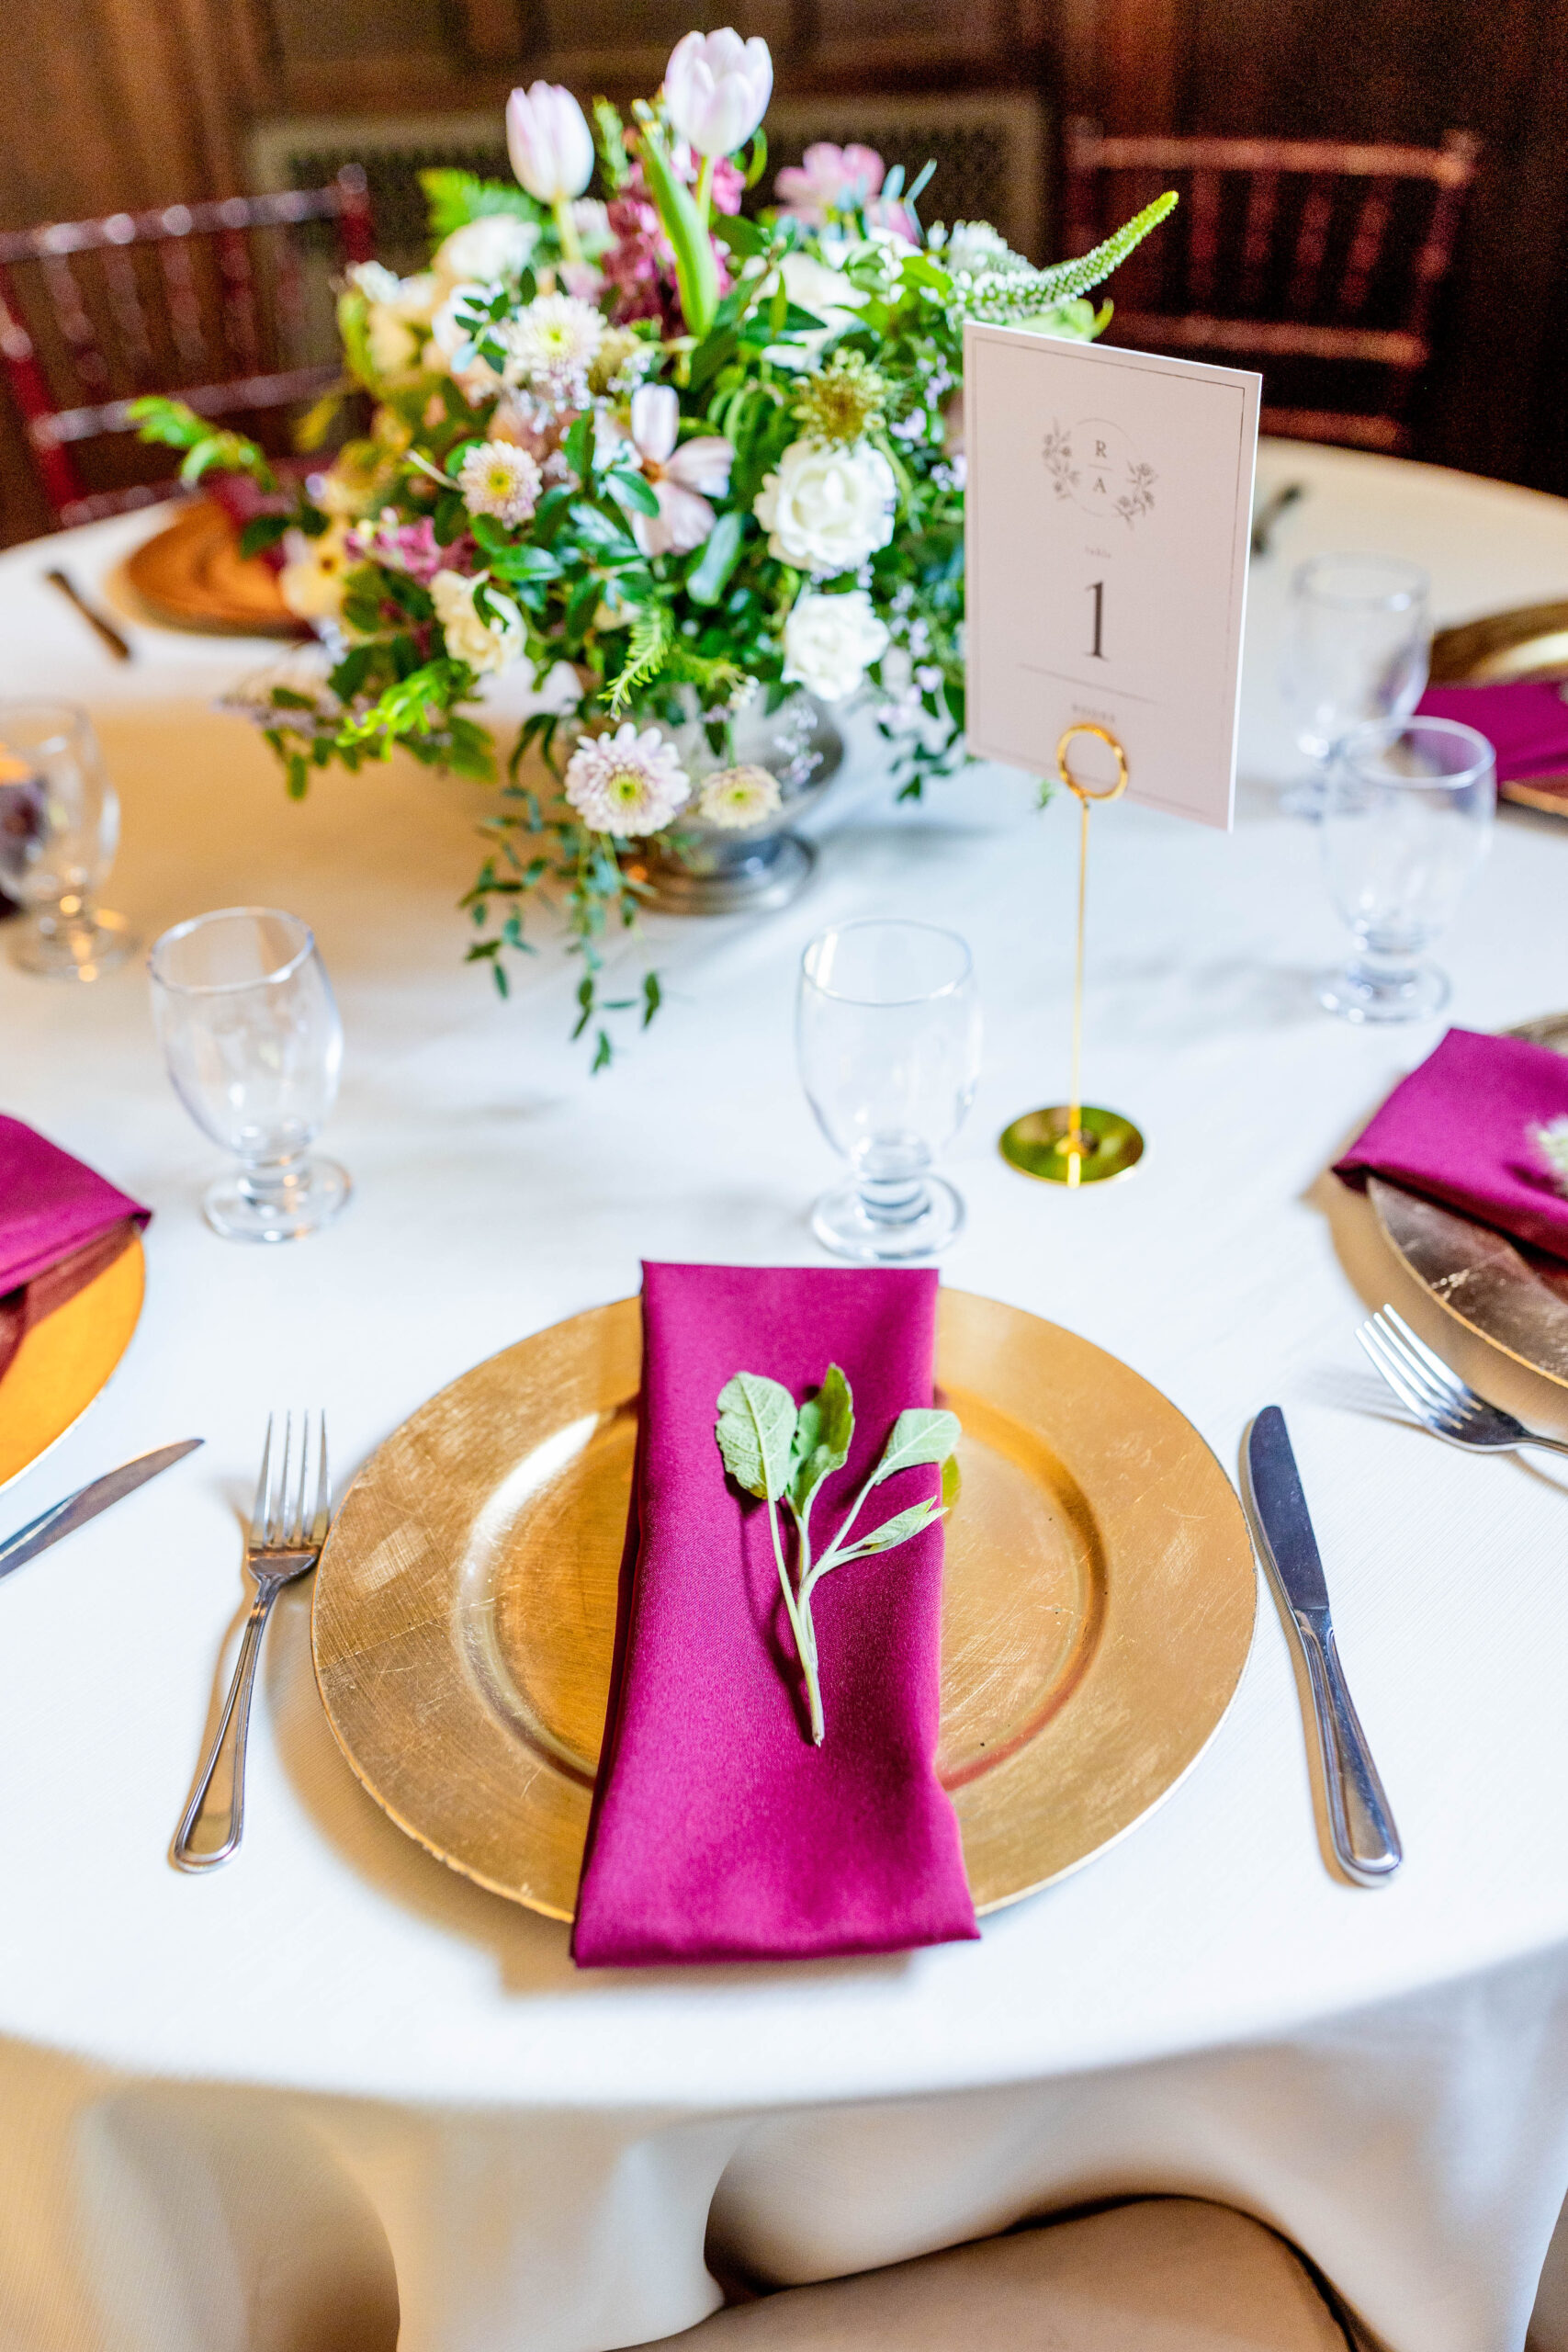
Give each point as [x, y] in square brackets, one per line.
[784, 1453]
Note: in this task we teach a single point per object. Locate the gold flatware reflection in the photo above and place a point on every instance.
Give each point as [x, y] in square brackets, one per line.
[1098, 1598]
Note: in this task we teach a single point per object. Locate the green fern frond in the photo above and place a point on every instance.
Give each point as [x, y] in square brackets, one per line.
[1003, 296]
[648, 644]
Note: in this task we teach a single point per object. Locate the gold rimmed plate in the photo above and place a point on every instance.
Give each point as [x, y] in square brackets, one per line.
[1098, 1601]
[191, 575]
[1530, 642]
[1515, 1298]
[67, 1358]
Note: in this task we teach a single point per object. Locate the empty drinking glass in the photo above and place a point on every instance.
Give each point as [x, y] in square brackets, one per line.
[888, 1036]
[254, 1044]
[59, 831]
[1407, 826]
[1356, 645]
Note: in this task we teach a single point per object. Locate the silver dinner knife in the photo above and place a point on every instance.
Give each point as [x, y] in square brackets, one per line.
[86, 1503]
[1365, 1842]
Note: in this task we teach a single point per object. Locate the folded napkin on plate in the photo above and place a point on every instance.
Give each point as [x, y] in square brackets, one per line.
[60, 1225]
[1462, 1130]
[719, 1831]
[1524, 720]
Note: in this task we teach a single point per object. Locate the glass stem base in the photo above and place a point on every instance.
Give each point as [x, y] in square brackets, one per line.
[281, 1200]
[889, 1221]
[1367, 992]
[80, 946]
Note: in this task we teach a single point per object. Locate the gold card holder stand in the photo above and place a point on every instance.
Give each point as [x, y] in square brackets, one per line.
[1076, 1143]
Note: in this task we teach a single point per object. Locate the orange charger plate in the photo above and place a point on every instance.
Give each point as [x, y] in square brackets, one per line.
[65, 1360]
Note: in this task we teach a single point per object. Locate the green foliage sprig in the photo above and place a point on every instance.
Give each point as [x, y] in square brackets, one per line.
[782, 1452]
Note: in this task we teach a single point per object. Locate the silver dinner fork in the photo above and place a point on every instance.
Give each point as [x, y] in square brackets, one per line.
[1440, 1399]
[286, 1538]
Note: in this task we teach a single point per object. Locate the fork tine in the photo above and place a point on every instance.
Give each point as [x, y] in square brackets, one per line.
[259, 1509]
[1374, 1340]
[1440, 1371]
[1441, 1393]
[297, 1524]
[280, 1490]
[323, 1486]
[1443, 1418]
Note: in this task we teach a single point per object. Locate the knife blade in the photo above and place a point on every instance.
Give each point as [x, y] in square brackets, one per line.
[1360, 1821]
[86, 1503]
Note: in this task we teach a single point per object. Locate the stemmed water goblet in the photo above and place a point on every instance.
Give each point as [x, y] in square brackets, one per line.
[888, 1038]
[251, 1034]
[59, 831]
[1357, 647]
[1407, 826]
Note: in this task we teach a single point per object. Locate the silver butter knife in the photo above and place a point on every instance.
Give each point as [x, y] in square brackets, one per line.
[86, 1503]
[1365, 1842]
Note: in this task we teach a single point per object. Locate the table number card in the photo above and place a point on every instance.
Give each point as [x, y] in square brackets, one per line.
[1109, 509]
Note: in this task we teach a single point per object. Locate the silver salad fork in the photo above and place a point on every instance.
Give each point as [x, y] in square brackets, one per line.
[284, 1543]
[1440, 1399]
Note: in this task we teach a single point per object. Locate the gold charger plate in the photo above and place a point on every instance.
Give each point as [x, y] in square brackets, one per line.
[64, 1361]
[191, 574]
[1531, 642]
[1517, 1299]
[1098, 1608]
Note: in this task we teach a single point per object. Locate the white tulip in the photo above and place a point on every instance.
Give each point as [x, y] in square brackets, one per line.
[717, 88]
[828, 641]
[827, 509]
[549, 143]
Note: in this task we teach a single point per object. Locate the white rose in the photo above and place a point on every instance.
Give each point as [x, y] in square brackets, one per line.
[828, 641]
[827, 509]
[310, 582]
[470, 637]
[828, 294]
[498, 245]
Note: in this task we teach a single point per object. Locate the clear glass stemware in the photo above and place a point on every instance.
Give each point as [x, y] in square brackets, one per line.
[1407, 827]
[251, 1034]
[1358, 643]
[59, 831]
[888, 1037]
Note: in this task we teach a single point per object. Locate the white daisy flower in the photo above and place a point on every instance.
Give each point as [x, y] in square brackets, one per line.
[626, 783]
[496, 478]
[738, 798]
[552, 343]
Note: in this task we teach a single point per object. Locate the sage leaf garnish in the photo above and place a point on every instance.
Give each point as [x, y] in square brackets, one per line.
[756, 1429]
[783, 1453]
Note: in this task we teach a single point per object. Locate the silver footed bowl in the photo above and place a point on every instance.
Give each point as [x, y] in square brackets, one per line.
[699, 868]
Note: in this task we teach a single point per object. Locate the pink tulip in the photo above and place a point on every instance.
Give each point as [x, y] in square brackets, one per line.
[717, 88]
[678, 476]
[829, 179]
[549, 143]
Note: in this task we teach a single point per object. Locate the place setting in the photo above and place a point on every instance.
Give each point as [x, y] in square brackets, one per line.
[750, 1408]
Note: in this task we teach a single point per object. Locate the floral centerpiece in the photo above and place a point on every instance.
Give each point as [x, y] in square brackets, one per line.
[654, 458]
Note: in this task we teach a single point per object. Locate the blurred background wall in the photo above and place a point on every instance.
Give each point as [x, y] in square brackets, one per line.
[110, 104]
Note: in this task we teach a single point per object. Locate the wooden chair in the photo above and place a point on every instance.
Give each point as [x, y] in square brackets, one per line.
[1169, 2272]
[208, 300]
[1316, 260]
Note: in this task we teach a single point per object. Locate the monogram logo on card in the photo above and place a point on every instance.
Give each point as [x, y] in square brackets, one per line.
[1094, 465]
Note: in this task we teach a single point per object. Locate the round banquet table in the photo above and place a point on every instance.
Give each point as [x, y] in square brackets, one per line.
[278, 2105]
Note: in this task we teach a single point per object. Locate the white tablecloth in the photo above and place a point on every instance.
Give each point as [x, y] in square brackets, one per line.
[334, 2061]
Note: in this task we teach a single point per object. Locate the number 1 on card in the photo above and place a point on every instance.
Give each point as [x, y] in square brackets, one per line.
[1097, 650]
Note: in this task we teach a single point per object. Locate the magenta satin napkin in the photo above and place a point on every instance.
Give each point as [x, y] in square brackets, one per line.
[1459, 1128]
[49, 1205]
[1525, 721]
[721, 1832]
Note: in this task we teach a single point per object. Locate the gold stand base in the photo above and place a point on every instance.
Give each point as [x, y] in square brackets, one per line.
[1040, 1144]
